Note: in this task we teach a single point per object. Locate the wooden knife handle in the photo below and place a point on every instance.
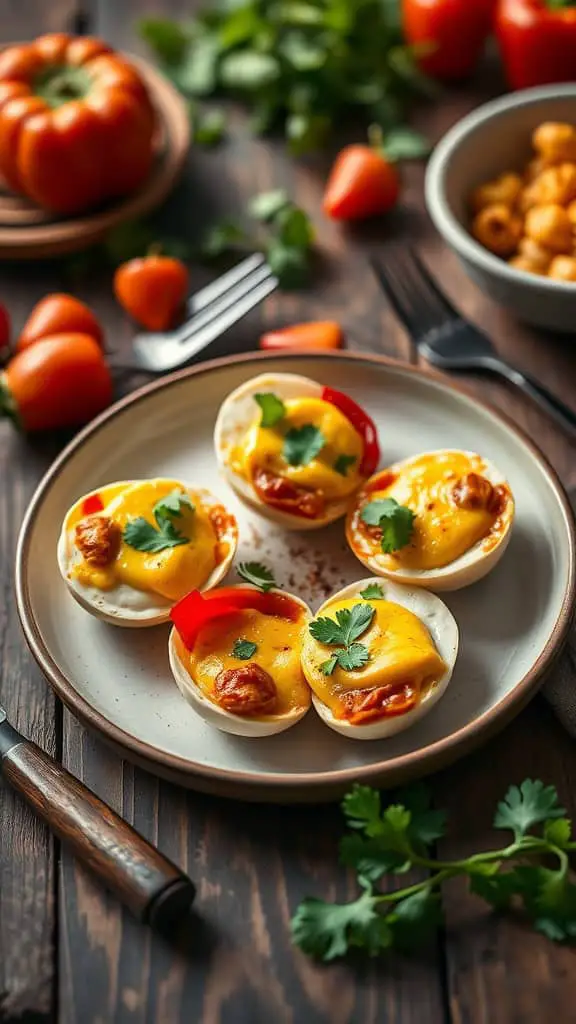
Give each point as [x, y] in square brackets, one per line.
[153, 888]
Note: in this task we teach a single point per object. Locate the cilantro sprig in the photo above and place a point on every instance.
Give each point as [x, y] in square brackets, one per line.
[343, 631]
[257, 574]
[373, 592]
[395, 521]
[272, 408]
[303, 444]
[244, 649]
[343, 463]
[142, 535]
[393, 839]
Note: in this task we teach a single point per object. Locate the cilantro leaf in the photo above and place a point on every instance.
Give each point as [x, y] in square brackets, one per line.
[354, 621]
[209, 127]
[326, 930]
[369, 858]
[143, 536]
[362, 808]
[326, 631]
[244, 649]
[354, 656]
[343, 463]
[395, 521]
[267, 205]
[373, 592]
[303, 444]
[327, 667]
[496, 889]
[257, 574]
[171, 505]
[550, 899]
[415, 919]
[529, 805]
[426, 823]
[558, 832]
[273, 409]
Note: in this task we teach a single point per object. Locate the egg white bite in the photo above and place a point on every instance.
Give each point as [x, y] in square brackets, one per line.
[461, 510]
[403, 644]
[240, 670]
[129, 550]
[293, 450]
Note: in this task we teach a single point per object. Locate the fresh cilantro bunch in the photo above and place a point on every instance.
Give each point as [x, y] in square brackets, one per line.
[257, 574]
[299, 67]
[286, 237]
[392, 839]
[395, 521]
[342, 632]
[144, 536]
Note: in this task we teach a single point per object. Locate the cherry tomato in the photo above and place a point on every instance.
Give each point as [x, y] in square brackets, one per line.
[362, 183]
[61, 381]
[152, 290]
[537, 41]
[59, 314]
[453, 32]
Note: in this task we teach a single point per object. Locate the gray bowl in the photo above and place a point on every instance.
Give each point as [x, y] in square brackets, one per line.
[493, 139]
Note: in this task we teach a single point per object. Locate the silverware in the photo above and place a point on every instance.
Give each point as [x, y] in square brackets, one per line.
[445, 338]
[211, 311]
[155, 890]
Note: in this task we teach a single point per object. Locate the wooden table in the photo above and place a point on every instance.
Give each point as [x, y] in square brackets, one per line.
[68, 953]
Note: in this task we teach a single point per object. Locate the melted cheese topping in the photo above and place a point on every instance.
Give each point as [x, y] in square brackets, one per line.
[173, 572]
[278, 641]
[401, 651]
[443, 530]
[262, 448]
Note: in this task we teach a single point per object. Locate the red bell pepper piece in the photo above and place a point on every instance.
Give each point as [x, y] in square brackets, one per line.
[537, 41]
[196, 610]
[449, 35]
[361, 422]
[92, 504]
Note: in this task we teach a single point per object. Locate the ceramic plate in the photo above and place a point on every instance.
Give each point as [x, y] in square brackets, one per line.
[512, 623]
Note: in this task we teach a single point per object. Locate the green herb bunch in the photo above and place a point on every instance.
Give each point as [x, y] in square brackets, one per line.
[532, 870]
[301, 65]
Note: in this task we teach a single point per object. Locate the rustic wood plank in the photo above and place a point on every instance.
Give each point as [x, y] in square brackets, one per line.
[498, 971]
[26, 849]
[24, 19]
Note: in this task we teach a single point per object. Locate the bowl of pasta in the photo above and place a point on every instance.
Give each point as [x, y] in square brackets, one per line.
[501, 190]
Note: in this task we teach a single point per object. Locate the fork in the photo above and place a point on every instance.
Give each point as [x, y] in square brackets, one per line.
[445, 338]
[211, 311]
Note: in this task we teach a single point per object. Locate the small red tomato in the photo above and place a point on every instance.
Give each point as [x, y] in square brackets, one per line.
[318, 334]
[152, 289]
[4, 333]
[450, 33]
[362, 183]
[59, 314]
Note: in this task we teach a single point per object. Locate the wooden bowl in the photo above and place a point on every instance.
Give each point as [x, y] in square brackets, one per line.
[29, 232]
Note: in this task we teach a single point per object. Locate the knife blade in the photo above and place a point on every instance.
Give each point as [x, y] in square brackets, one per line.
[152, 887]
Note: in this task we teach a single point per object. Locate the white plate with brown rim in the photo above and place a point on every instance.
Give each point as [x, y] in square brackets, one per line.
[118, 681]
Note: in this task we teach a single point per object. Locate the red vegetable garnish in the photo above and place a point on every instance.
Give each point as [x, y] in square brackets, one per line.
[361, 422]
[92, 504]
[196, 610]
[280, 493]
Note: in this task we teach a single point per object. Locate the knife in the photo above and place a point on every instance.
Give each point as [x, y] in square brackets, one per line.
[152, 887]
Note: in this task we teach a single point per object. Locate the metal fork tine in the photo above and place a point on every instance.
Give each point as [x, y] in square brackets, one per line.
[394, 294]
[224, 301]
[442, 300]
[217, 288]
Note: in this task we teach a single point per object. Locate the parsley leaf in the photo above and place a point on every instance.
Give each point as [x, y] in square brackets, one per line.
[327, 667]
[373, 592]
[354, 656]
[208, 127]
[171, 505]
[325, 929]
[143, 536]
[343, 463]
[273, 409]
[267, 205]
[303, 444]
[370, 859]
[362, 807]
[257, 574]
[244, 649]
[349, 624]
[524, 807]
[395, 521]
[415, 919]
